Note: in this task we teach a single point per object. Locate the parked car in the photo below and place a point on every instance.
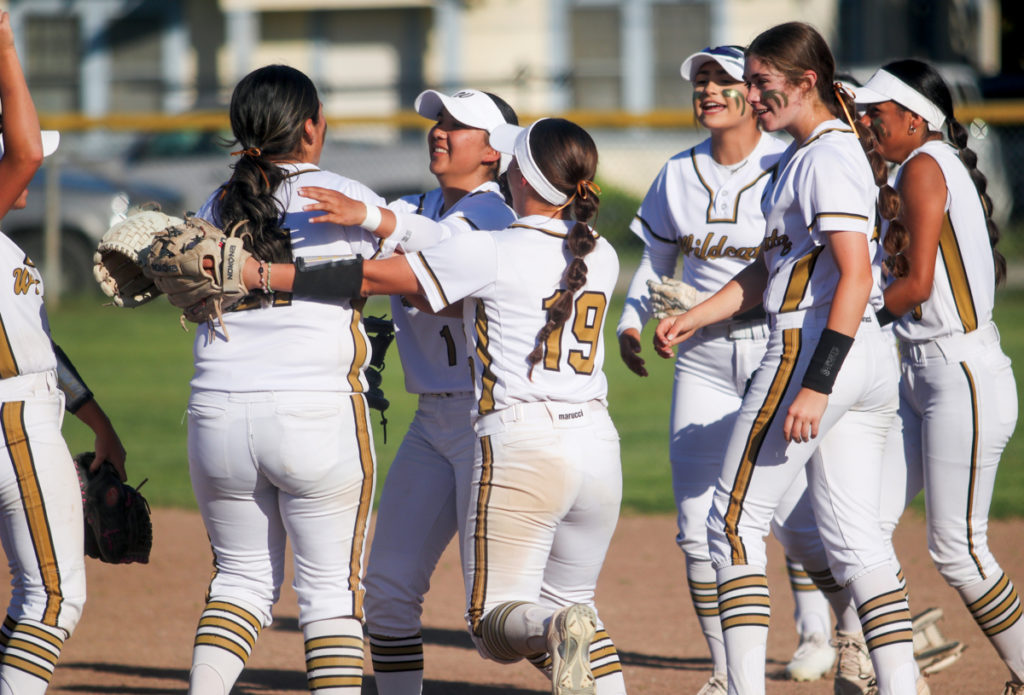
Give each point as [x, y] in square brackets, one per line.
[88, 204]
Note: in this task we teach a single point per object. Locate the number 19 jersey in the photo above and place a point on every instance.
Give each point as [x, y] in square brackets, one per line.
[510, 279]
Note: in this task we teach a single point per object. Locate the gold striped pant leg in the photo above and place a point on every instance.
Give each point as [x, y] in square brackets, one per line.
[996, 608]
[396, 654]
[30, 653]
[743, 599]
[334, 656]
[229, 627]
[604, 658]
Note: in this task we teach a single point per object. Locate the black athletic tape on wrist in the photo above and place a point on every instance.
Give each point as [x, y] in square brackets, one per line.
[885, 317]
[827, 359]
[331, 280]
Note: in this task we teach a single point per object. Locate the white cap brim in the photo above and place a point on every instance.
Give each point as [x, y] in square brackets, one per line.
[503, 137]
[863, 95]
[730, 58]
[51, 138]
[468, 106]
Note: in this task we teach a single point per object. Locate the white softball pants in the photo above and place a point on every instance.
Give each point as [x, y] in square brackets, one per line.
[713, 370]
[269, 465]
[845, 460]
[422, 506]
[547, 485]
[959, 408]
[42, 527]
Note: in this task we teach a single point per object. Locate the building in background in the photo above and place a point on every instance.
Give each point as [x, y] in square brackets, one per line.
[371, 57]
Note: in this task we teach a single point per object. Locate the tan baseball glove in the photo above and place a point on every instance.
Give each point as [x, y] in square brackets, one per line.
[175, 263]
[671, 297]
[117, 263]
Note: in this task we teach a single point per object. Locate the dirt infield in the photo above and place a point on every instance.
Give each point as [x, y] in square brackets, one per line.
[136, 633]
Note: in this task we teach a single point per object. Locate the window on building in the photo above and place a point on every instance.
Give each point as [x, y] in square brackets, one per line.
[51, 62]
[136, 53]
[596, 74]
[678, 31]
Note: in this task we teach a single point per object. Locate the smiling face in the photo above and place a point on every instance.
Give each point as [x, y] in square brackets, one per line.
[719, 100]
[458, 151]
[775, 101]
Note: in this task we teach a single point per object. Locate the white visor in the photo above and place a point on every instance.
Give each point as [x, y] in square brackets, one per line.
[51, 138]
[884, 86]
[729, 57]
[468, 106]
[511, 139]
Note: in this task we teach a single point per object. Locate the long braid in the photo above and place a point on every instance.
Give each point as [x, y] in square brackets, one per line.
[958, 136]
[569, 164]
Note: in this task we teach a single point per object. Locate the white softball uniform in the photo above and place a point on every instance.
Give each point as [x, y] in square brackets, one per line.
[822, 185]
[711, 215]
[42, 524]
[547, 479]
[959, 408]
[280, 445]
[426, 493]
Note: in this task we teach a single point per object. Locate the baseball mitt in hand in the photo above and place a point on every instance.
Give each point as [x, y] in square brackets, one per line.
[175, 262]
[118, 528]
[117, 263]
[671, 297]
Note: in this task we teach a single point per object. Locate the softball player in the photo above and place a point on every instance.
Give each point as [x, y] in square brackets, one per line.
[942, 302]
[424, 499]
[817, 286]
[42, 524]
[706, 205]
[279, 439]
[547, 481]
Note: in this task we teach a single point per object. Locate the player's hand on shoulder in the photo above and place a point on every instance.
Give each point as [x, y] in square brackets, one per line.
[337, 207]
[629, 349]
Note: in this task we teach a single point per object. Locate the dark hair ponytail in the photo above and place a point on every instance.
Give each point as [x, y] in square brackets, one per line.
[509, 114]
[269, 109]
[926, 80]
[567, 156]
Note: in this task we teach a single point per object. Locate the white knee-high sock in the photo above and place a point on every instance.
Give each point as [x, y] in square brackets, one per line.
[810, 607]
[397, 664]
[839, 598]
[225, 637]
[745, 610]
[516, 629]
[996, 608]
[334, 656]
[885, 622]
[30, 651]
[702, 581]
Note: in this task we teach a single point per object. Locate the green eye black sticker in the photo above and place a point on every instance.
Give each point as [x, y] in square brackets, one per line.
[736, 97]
[879, 128]
[778, 97]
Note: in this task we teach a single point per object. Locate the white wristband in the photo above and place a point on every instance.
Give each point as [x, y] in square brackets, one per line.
[371, 222]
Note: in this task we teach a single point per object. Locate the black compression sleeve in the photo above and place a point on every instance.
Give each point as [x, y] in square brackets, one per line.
[76, 393]
[331, 280]
[827, 359]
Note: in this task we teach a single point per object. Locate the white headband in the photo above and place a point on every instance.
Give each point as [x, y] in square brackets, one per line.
[884, 86]
[512, 139]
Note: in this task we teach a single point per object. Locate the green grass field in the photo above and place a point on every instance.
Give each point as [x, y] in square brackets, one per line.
[139, 361]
